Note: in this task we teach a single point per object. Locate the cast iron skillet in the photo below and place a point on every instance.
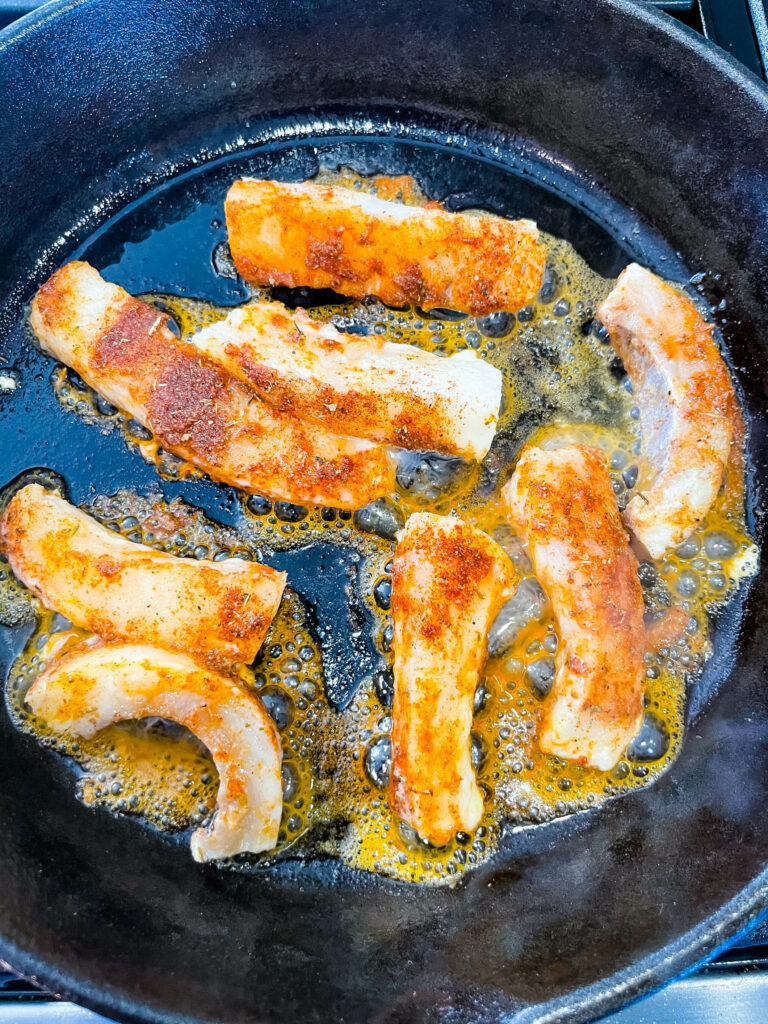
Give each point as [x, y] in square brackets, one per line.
[611, 126]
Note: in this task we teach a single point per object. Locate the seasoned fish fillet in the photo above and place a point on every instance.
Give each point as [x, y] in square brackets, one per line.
[124, 349]
[563, 502]
[686, 400]
[448, 580]
[365, 387]
[98, 684]
[330, 237]
[126, 591]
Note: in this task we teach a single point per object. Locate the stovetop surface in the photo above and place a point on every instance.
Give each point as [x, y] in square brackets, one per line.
[733, 986]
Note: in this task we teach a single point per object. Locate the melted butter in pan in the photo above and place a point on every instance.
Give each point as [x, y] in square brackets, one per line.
[562, 383]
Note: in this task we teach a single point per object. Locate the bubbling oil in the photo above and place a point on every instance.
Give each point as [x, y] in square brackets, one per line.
[156, 769]
[562, 383]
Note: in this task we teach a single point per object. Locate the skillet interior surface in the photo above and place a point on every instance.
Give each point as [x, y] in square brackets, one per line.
[612, 133]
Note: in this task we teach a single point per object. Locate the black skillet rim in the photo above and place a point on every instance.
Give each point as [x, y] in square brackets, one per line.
[677, 959]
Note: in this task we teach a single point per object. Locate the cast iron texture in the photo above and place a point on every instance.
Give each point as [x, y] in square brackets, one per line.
[646, 131]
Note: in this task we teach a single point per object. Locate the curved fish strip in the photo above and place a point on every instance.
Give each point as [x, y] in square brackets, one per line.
[448, 581]
[96, 685]
[125, 350]
[687, 404]
[126, 591]
[562, 501]
[324, 236]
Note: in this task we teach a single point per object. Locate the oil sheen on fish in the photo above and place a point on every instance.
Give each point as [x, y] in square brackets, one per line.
[126, 351]
[364, 387]
[126, 591]
[448, 581]
[325, 236]
[687, 404]
[563, 503]
[98, 684]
